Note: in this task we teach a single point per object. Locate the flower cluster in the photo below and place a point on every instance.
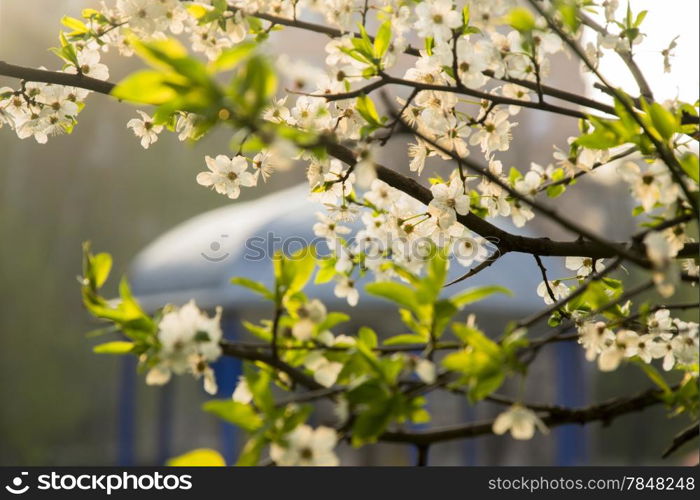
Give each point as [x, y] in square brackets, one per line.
[670, 339]
[189, 341]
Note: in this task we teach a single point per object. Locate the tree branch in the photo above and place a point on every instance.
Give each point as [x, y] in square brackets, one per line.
[604, 412]
[507, 241]
[687, 434]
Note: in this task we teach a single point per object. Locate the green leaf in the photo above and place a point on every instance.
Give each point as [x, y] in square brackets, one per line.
[606, 134]
[431, 285]
[326, 270]
[555, 191]
[230, 58]
[406, 338]
[367, 110]
[476, 339]
[521, 19]
[101, 265]
[382, 40]
[259, 383]
[255, 286]
[513, 175]
[640, 18]
[476, 294]
[76, 25]
[689, 163]
[485, 386]
[664, 121]
[368, 337]
[117, 347]
[259, 331]
[443, 312]
[333, 319]
[569, 14]
[146, 87]
[201, 457]
[250, 454]
[239, 414]
[395, 292]
[303, 263]
[371, 423]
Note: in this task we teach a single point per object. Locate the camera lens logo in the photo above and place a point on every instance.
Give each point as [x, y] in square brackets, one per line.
[215, 247]
[16, 487]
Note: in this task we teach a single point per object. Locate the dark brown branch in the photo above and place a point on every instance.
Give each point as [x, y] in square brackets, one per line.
[583, 233]
[543, 271]
[56, 77]
[604, 412]
[686, 435]
[504, 241]
[253, 354]
[475, 270]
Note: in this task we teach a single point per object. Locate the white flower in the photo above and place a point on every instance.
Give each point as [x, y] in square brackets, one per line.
[328, 228]
[426, 371]
[418, 153]
[471, 62]
[520, 421]
[305, 446]
[189, 341]
[381, 195]
[558, 288]
[325, 372]
[309, 315]
[344, 262]
[583, 265]
[513, 91]
[651, 187]
[660, 322]
[594, 337]
[685, 344]
[469, 248]
[611, 357]
[646, 347]
[494, 134]
[669, 357]
[145, 129]
[266, 162]
[450, 198]
[437, 19]
[529, 185]
[59, 100]
[227, 175]
[345, 287]
[242, 393]
[277, 112]
[89, 65]
[144, 16]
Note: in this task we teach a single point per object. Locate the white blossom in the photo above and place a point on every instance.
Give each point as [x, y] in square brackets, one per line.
[520, 421]
[305, 446]
[226, 175]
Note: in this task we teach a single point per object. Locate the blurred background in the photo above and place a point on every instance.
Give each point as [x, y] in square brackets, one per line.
[62, 405]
